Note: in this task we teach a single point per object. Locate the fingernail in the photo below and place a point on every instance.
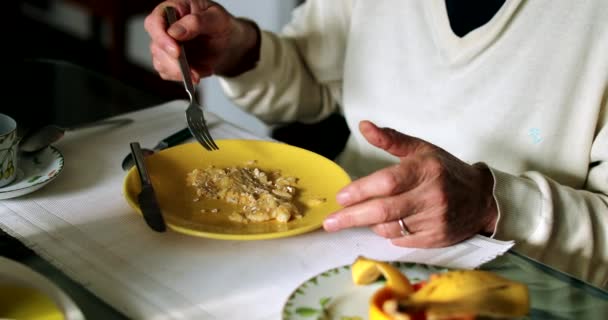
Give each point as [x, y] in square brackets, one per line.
[331, 224]
[343, 197]
[177, 30]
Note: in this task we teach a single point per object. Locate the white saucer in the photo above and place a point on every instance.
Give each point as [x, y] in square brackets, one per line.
[34, 172]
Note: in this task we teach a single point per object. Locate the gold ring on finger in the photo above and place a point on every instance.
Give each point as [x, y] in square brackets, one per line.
[404, 229]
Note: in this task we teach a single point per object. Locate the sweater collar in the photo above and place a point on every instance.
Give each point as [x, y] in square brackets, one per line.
[459, 50]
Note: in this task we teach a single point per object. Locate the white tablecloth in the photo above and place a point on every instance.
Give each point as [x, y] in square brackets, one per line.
[81, 223]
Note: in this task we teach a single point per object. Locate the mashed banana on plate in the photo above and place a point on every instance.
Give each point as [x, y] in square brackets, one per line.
[256, 194]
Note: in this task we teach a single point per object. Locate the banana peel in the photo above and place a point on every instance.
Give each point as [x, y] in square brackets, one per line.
[462, 294]
[365, 271]
[470, 292]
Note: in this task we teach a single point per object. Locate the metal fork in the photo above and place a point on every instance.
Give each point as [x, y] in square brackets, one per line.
[194, 113]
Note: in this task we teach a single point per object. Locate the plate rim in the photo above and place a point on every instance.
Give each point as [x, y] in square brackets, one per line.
[227, 236]
[22, 191]
[25, 275]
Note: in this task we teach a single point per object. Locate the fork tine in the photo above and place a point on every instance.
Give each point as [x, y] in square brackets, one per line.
[205, 143]
[196, 131]
[208, 135]
[199, 138]
[201, 129]
[203, 122]
[202, 126]
[215, 147]
[199, 123]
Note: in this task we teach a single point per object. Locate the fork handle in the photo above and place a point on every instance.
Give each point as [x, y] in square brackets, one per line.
[171, 15]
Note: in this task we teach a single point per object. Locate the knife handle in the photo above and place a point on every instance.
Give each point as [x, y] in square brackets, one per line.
[139, 162]
[174, 139]
[148, 204]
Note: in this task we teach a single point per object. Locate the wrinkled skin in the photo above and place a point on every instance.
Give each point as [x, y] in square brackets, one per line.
[214, 40]
[441, 199]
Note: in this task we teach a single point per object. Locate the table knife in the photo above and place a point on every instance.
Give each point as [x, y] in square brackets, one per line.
[148, 204]
[167, 142]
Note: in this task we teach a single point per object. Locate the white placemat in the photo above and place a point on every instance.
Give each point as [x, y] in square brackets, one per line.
[82, 224]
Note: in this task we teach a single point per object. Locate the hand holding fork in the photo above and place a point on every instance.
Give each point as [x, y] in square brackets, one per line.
[194, 112]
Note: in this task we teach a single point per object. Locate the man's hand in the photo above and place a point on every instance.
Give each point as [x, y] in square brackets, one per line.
[215, 41]
[440, 199]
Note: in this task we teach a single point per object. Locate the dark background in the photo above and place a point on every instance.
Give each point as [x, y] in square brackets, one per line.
[95, 79]
[61, 78]
[38, 39]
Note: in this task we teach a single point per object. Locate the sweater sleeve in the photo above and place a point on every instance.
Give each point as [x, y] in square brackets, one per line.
[550, 221]
[299, 74]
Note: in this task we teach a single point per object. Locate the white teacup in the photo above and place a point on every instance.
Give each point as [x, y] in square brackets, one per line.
[8, 149]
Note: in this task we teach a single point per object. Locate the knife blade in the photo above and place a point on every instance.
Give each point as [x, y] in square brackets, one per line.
[148, 204]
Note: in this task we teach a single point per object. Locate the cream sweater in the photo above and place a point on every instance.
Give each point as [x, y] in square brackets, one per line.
[527, 93]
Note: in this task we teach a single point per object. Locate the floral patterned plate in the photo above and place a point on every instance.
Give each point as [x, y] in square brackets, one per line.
[332, 295]
[34, 172]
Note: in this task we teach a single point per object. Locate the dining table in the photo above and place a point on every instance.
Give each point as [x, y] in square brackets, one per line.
[79, 232]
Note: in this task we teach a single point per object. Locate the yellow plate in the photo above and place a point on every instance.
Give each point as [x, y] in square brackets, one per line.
[27, 294]
[318, 176]
[21, 302]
